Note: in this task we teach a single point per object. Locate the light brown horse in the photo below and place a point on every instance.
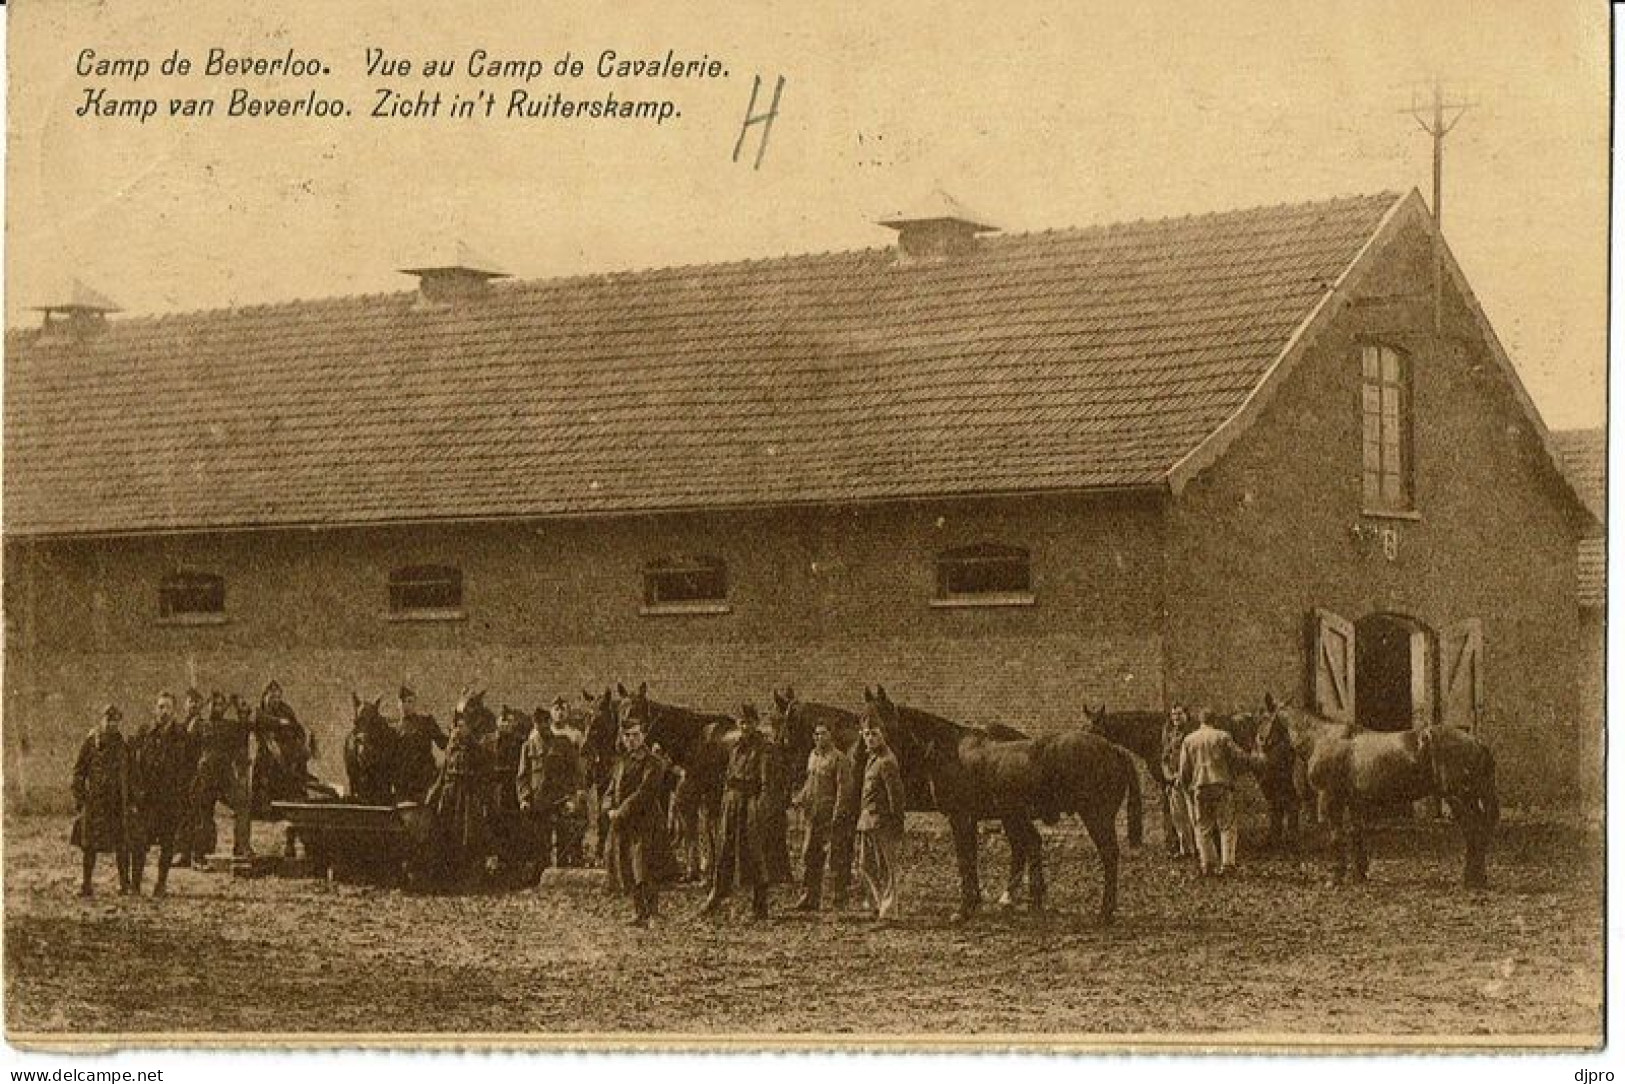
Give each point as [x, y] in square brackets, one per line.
[1354, 771]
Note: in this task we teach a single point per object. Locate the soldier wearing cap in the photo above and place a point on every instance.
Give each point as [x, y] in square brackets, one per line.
[161, 759]
[637, 820]
[101, 793]
[742, 842]
[420, 736]
[552, 787]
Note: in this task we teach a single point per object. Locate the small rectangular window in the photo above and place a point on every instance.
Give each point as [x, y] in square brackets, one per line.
[685, 583]
[191, 595]
[984, 574]
[425, 588]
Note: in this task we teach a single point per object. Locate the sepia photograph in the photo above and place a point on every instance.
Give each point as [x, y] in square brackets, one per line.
[1048, 527]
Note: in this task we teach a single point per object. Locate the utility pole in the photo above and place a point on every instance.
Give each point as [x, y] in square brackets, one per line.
[1437, 119]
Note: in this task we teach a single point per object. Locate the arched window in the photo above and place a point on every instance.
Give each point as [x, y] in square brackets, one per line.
[985, 573]
[1385, 379]
[184, 595]
[685, 583]
[420, 588]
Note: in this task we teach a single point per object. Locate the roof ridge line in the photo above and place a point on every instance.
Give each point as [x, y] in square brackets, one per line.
[519, 284]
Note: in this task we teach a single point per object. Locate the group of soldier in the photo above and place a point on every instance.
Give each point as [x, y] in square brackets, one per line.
[519, 793]
[1203, 764]
[751, 850]
[159, 786]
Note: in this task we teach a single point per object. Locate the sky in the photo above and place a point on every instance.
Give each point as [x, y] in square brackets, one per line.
[1036, 116]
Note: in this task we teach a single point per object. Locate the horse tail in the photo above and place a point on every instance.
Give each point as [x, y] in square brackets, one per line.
[1136, 810]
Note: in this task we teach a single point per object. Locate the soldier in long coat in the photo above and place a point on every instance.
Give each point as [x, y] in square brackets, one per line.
[420, 735]
[101, 793]
[461, 796]
[161, 784]
[637, 821]
[742, 842]
[193, 724]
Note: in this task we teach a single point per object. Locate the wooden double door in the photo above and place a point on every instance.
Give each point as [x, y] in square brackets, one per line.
[1389, 671]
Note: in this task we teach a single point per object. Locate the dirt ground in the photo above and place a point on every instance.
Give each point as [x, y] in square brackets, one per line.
[1273, 951]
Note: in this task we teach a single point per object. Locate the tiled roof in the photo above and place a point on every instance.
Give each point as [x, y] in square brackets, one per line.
[1063, 360]
[1585, 454]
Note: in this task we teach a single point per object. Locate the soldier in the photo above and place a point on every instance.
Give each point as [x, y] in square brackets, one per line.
[420, 736]
[222, 776]
[880, 822]
[1209, 761]
[508, 823]
[827, 799]
[1182, 839]
[637, 820]
[161, 784]
[461, 795]
[101, 793]
[552, 787]
[742, 841]
[776, 806]
[193, 724]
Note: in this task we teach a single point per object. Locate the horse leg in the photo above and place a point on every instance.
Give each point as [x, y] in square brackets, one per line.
[970, 887]
[1170, 832]
[1331, 814]
[1036, 884]
[1019, 858]
[1102, 828]
[1474, 839]
[1357, 834]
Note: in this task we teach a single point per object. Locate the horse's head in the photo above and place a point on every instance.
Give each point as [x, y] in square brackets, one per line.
[602, 728]
[365, 715]
[1306, 728]
[472, 713]
[879, 713]
[636, 707]
[1095, 718]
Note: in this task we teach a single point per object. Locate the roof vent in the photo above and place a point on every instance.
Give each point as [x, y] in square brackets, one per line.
[938, 230]
[453, 276]
[81, 311]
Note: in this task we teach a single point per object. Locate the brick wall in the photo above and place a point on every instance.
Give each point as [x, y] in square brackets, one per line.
[1264, 535]
[827, 600]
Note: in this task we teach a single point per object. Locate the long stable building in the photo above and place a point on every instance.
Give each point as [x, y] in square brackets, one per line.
[1190, 459]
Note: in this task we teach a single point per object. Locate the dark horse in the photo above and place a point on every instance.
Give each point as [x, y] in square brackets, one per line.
[1354, 771]
[370, 759]
[600, 748]
[698, 745]
[974, 776]
[797, 719]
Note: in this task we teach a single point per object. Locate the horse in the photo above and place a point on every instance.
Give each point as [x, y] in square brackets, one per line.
[599, 750]
[1142, 733]
[972, 776]
[797, 719]
[1354, 770]
[370, 760]
[698, 744]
